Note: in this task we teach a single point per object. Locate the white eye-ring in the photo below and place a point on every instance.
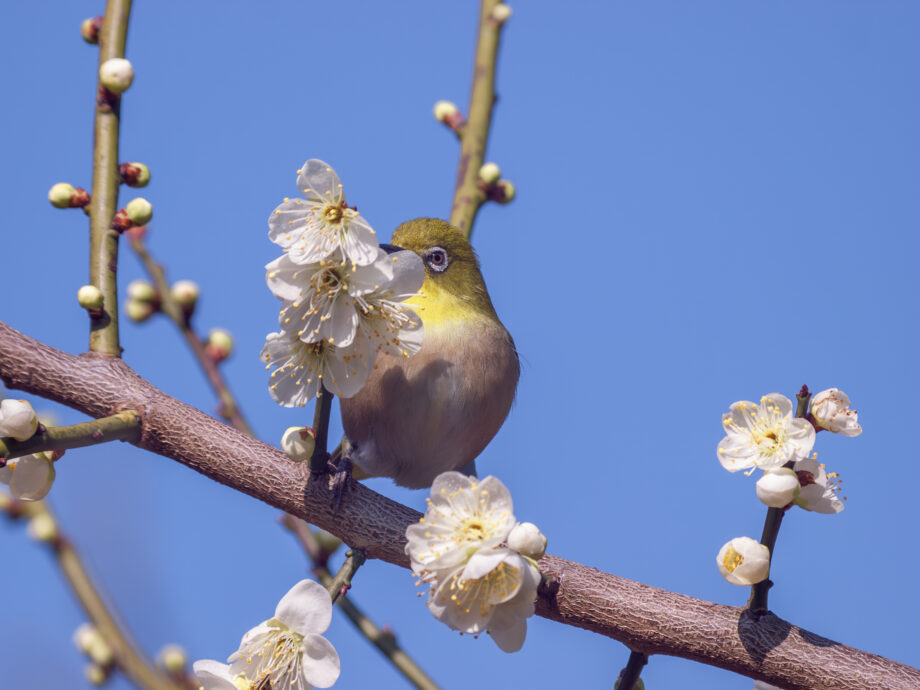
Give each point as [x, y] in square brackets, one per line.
[437, 259]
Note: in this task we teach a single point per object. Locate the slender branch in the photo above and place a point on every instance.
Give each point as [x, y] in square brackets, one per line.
[341, 583]
[630, 674]
[468, 197]
[123, 426]
[640, 616]
[229, 409]
[384, 640]
[103, 243]
[128, 656]
[318, 461]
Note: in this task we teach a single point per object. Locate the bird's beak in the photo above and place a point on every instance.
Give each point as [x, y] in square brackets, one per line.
[390, 248]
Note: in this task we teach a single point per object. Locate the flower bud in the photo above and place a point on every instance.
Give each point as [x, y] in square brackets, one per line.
[506, 187]
[17, 419]
[89, 29]
[96, 674]
[220, 344]
[139, 211]
[141, 290]
[84, 636]
[831, 411]
[90, 297]
[778, 488]
[489, 173]
[138, 311]
[500, 14]
[42, 528]
[743, 561]
[60, 194]
[527, 540]
[116, 74]
[185, 293]
[444, 110]
[30, 477]
[173, 658]
[298, 443]
[134, 174]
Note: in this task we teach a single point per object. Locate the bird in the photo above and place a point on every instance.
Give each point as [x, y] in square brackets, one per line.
[436, 411]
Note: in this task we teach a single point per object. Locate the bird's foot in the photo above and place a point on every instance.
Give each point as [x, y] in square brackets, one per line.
[339, 476]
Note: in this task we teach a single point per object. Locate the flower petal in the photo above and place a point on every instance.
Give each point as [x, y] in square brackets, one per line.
[213, 675]
[510, 638]
[306, 608]
[321, 664]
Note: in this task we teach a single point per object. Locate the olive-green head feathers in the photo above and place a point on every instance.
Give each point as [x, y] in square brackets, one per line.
[451, 266]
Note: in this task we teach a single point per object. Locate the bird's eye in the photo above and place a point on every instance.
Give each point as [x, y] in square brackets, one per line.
[436, 259]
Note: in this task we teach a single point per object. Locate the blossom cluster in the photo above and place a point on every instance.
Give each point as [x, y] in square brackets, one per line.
[342, 294]
[768, 437]
[288, 650]
[478, 561]
[29, 477]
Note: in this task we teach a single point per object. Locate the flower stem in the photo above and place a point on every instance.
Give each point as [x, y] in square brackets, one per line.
[341, 583]
[229, 409]
[468, 197]
[630, 674]
[128, 656]
[318, 461]
[103, 243]
[771, 525]
[124, 426]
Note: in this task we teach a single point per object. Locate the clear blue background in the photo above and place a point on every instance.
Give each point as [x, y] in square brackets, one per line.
[716, 200]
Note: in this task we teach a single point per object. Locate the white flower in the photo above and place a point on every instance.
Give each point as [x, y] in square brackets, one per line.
[476, 583]
[743, 561]
[17, 419]
[298, 369]
[289, 648]
[328, 301]
[527, 539]
[765, 436]
[30, 477]
[831, 410]
[315, 228]
[778, 488]
[214, 675]
[820, 491]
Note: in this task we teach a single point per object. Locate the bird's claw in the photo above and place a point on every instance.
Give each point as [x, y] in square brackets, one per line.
[339, 476]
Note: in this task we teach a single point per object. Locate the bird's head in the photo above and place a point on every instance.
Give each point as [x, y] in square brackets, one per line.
[452, 277]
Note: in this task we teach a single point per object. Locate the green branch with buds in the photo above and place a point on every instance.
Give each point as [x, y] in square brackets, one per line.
[123, 426]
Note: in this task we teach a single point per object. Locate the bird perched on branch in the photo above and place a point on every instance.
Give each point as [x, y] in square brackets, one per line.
[436, 411]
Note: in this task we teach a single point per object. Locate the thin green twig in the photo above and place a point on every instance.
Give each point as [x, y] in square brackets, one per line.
[123, 426]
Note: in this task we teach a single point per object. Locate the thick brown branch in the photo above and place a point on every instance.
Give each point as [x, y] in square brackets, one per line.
[646, 619]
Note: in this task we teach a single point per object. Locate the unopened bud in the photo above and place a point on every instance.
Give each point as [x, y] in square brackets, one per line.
[134, 174]
[173, 658]
[89, 29]
[489, 173]
[778, 487]
[185, 293]
[90, 641]
[96, 675]
[18, 419]
[219, 345]
[116, 74]
[298, 443]
[90, 297]
[139, 211]
[507, 190]
[527, 540]
[138, 311]
[42, 528]
[141, 290]
[444, 110]
[63, 195]
[500, 14]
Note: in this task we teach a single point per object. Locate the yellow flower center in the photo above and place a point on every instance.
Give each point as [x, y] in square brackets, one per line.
[333, 214]
[732, 560]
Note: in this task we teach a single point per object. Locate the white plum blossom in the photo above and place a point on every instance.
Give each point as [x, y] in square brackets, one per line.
[214, 675]
[778, 488]
[327, 301]
[831, 411]
[820, 491]
[765, 435]
[29, 477]
[744, 561]
[321, 225]
[298, 369]
[459, 548]
[17, 419]
[289, 648]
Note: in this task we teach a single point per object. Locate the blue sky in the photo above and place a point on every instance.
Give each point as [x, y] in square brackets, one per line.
[716, 200]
